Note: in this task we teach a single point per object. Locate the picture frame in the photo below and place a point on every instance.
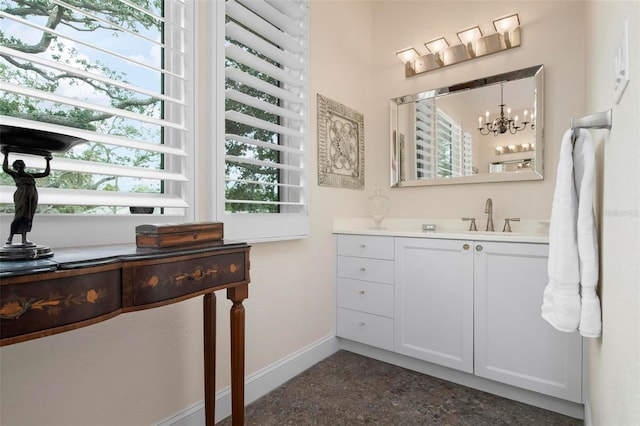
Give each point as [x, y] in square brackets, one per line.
[340, 145]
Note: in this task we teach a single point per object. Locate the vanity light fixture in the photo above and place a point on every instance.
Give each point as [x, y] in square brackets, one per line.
[407, 55]
[437, 45]
[509, 27]
[473, 45]
[468, 38]
[414, 63]
[503, 124]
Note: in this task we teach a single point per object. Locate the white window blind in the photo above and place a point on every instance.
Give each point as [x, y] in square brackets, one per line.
[117, 74]
[449, 146]
[425, 141]
[443, 148]
[266, 119]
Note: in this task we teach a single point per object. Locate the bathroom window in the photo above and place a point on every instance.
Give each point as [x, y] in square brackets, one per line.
[124, 78]
[116, 76]
[266, 119]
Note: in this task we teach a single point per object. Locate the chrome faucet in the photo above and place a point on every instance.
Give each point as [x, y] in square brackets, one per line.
[488, 208]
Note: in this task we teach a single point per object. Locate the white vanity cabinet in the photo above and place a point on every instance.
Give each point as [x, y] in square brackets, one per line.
[434, 301]
[513, 343]
[471, 306]
[475, 306]
[364, 289]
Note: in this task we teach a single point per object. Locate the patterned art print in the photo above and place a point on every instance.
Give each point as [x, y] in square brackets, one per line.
[340, 145]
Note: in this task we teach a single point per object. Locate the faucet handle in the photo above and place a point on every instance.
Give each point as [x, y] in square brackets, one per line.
[472, 225]
[507, 223]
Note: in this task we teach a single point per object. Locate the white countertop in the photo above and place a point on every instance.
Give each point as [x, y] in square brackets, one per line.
[526, 231]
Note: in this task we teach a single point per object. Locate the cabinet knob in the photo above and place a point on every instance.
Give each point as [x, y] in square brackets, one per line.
[361, 292]
[363, 246]
[361, 324]
[362, 269]
[466, 246]
[478, 248]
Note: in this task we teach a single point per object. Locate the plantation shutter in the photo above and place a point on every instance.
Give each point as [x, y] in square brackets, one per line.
[266, 118]
[425, 140]
[449, 141]
[118, 77]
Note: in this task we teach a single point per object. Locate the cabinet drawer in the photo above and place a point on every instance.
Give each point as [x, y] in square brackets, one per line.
[48, 302]
[359, 268]
[365, 328]
[366, 246]
[364, 296]
[162, 281]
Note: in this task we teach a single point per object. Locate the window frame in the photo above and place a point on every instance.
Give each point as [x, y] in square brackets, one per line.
[68, 230]
[252, 227]
[204, 165]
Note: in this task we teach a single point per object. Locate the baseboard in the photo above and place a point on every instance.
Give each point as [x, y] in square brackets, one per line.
[273, 376]
[259, 383]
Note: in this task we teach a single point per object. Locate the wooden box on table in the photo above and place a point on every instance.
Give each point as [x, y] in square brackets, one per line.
[172, 235]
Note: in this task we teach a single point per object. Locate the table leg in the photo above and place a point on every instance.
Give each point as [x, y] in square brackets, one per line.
[237, 295]
[209, 318]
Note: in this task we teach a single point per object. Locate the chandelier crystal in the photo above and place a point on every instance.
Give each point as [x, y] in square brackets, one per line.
[503, 123]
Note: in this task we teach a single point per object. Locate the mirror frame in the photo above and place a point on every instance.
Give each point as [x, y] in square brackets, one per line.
[536, 173]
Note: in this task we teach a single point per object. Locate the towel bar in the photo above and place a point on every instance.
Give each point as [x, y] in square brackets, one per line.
[599, 120]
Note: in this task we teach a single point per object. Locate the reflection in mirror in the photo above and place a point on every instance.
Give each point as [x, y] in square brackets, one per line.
[486, 130]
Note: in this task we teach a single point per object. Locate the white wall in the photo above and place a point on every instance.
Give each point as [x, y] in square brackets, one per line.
[139, 368]
[615, 357]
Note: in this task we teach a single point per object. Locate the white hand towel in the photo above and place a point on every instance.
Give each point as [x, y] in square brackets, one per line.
[583, 165]
[561, 300]
[570, 301]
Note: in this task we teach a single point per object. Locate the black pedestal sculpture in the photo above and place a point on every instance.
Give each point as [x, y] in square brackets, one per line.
[33, 142]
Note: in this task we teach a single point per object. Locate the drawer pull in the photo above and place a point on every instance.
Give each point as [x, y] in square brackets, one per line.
[361, 292]
[361, 324]
[363, 246]
[362, 269]
[478, 248]
[466, 246]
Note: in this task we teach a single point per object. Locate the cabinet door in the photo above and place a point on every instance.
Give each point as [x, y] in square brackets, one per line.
[513, 343]
[434, 301]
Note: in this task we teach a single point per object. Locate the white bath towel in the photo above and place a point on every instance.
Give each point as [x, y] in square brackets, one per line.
[584, 168]
[570, 301]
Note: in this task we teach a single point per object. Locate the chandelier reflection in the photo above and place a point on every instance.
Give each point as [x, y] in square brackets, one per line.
[503, 124]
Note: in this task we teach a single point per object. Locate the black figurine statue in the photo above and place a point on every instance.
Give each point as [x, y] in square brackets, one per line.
[25, 197]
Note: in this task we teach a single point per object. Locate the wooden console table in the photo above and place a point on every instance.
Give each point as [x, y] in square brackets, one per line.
[79, 287]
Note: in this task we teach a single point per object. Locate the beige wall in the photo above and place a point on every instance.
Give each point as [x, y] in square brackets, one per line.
[615, 357]
[142, 367]
[398, 24]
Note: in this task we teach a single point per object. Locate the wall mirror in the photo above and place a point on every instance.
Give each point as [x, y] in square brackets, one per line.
[485, 130]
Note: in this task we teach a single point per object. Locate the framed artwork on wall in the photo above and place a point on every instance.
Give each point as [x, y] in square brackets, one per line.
[340, 145]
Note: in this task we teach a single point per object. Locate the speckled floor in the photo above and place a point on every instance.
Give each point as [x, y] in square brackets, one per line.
[349, 389]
